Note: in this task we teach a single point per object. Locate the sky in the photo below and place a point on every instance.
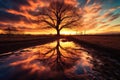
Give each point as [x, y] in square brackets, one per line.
[98, 16]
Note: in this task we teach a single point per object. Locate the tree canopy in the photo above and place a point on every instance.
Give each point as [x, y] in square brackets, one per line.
[58, 15]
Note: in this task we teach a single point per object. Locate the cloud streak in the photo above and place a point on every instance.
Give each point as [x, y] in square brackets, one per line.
[96, 14]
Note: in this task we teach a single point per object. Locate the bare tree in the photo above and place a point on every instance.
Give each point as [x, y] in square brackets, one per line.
[10, 30]
[57, 60]
[58, 15]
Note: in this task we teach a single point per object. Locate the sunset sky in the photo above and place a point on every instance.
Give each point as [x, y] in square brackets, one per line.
[98, 16]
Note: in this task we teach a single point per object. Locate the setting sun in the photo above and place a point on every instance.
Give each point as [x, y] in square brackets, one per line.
[68, 32]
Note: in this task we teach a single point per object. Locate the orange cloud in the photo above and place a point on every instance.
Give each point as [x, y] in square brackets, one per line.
[92, 18]
[71, 2]
[88, 1]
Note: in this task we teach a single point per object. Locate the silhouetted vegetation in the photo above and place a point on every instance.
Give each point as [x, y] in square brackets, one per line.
[59, 60]
[58, 15]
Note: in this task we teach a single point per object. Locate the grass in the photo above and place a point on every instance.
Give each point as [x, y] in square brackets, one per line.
[107, 41]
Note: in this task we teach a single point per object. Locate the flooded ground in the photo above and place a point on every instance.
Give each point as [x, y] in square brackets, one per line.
[62, 59]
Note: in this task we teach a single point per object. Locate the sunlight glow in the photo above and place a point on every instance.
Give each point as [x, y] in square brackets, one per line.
[1, 32]
[96, 18]
[68, 32]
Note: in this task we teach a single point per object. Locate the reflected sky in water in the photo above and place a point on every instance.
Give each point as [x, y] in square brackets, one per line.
[59, 60]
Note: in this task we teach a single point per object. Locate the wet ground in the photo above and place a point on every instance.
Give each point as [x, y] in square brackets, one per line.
[62, 59]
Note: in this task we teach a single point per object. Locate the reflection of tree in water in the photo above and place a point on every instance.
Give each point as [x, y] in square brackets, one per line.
[60, 57]
[59, 60]
[74, 62]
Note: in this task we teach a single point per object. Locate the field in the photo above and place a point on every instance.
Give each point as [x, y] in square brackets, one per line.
[13, 38]
[15, 42]
[105, 41]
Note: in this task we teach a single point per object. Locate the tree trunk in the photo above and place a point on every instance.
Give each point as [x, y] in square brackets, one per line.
[58, 32]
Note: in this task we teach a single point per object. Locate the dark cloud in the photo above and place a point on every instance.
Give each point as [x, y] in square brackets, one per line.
[3, 26]
[14, 11]
[11, 29]
[8, 17]
[24, 28]
[114, 17]
[13, 4]
[7, 27]
[21, 2]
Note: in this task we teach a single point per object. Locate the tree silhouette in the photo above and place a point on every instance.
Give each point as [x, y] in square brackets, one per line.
[58, 15]
[57, 60]
[10, 30]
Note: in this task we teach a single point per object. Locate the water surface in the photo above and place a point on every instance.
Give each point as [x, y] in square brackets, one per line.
[62, 59]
